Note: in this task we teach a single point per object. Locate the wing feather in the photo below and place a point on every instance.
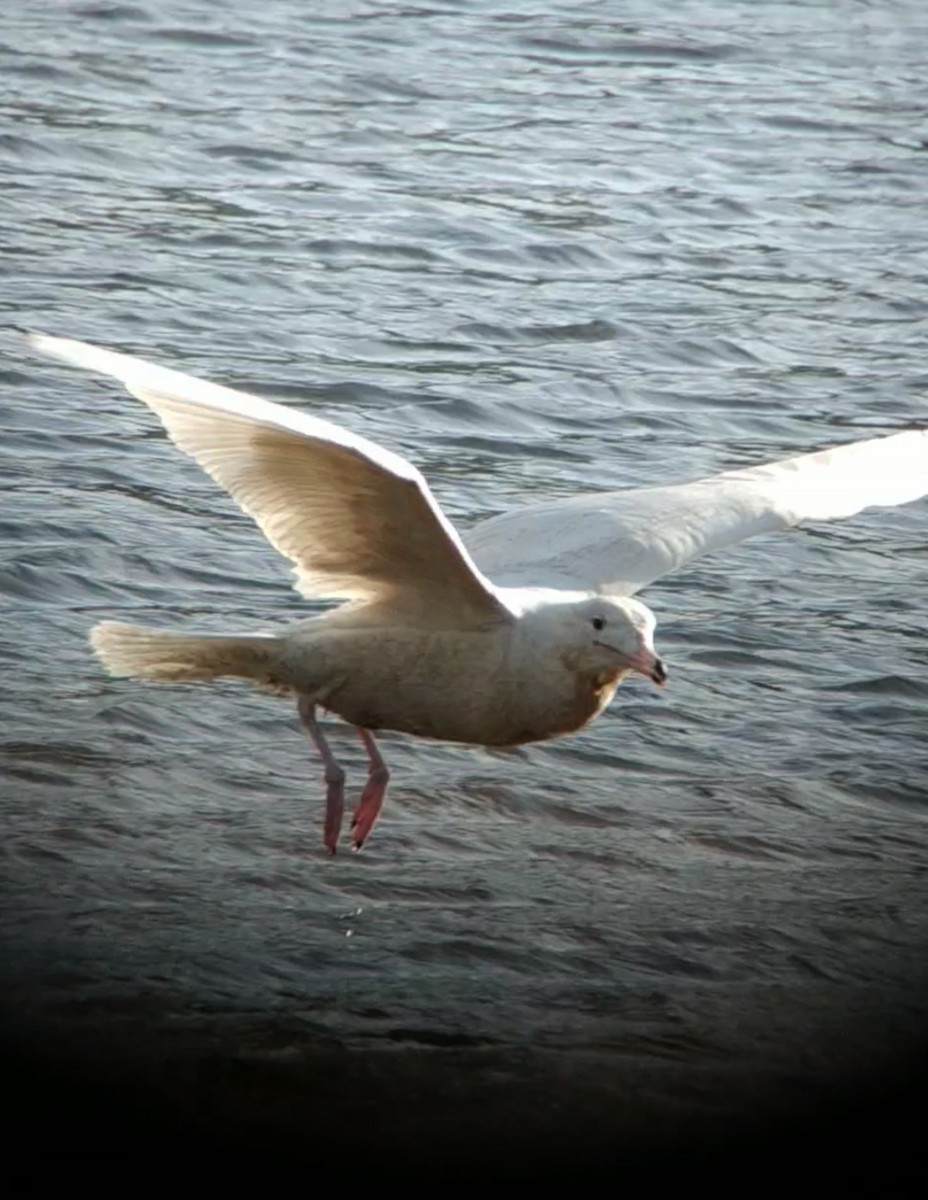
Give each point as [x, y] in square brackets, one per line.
[358, 521]
[617, 542]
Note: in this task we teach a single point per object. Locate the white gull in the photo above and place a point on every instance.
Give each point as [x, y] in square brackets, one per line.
[424, 643]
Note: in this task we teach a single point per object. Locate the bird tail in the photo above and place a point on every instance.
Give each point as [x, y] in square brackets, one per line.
[155, 654]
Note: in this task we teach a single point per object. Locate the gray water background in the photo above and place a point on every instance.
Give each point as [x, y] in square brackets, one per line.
[539, 249]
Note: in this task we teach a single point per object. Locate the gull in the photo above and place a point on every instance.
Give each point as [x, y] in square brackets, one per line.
[519, 632]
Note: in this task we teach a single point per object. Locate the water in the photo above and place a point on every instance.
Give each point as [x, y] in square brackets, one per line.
[539, 249]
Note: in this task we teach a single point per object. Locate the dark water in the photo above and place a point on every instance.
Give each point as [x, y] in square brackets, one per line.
[540, 249]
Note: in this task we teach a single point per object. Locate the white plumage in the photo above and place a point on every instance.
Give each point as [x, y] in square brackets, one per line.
[618, 542]
[427, 644]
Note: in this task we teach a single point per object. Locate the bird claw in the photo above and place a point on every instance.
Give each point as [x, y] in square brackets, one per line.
[369, 806]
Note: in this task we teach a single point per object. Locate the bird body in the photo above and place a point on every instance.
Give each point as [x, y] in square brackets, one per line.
[501, 683]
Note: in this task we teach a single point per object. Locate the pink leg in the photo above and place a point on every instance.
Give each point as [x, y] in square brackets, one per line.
[375, 789]
[334, 775]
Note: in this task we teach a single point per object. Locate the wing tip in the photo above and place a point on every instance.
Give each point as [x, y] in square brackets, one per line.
[90, 357]
[44, 343]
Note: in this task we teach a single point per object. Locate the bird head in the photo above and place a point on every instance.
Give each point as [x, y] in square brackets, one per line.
[614, 635]
[600, 636]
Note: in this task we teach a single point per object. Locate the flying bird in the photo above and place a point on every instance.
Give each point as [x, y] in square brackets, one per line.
[518, 632]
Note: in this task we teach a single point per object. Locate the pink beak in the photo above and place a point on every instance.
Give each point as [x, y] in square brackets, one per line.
[646, 663]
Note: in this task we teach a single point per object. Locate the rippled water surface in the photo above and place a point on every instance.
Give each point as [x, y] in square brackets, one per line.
[540, 249]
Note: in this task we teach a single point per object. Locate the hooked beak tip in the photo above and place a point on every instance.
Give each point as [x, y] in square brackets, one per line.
[646, 663]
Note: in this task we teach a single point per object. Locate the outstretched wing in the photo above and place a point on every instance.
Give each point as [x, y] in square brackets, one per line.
[617, 542]
[358, 521]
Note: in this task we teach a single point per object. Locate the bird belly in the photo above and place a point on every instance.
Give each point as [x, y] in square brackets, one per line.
[456, 688]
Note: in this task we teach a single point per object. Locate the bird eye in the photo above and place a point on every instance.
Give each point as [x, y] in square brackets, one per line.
[598, 623]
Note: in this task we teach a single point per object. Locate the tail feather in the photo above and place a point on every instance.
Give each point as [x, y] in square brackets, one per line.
[156, 654]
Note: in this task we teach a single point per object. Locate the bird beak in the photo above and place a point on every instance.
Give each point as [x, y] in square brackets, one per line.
[646, 663]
